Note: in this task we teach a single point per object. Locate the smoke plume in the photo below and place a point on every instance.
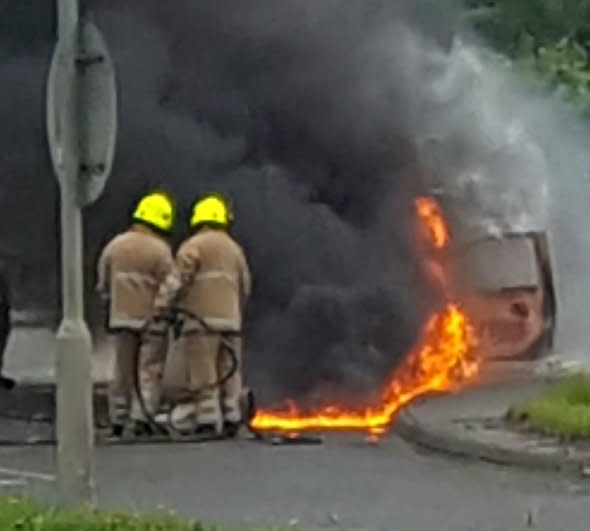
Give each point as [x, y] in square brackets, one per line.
[321, 120]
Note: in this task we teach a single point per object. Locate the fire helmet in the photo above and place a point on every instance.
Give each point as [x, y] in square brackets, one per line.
[212, 210]
[155, 210]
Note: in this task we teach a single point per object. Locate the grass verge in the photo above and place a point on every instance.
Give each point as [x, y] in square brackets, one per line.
[562, 411]
[18, 514]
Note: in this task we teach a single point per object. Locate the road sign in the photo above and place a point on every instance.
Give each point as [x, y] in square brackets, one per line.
[81, 130]
[82, 112]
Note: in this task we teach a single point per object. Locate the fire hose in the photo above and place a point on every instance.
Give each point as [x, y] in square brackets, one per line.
[225, 346]
[177, 321]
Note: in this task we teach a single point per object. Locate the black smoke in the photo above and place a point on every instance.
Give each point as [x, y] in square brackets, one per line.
[279, 104]
[313, 116]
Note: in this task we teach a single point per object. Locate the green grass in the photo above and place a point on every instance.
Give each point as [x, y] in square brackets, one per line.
[18, 514]
[562, 411]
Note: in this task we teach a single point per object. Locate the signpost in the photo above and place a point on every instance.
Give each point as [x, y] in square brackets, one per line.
[81, 130]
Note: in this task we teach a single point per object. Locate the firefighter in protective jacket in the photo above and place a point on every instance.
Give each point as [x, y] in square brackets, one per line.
[130, 270]
[209, 286]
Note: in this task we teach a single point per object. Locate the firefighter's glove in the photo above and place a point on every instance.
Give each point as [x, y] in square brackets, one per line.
[158, 324]
[178, 324]
[164, 318]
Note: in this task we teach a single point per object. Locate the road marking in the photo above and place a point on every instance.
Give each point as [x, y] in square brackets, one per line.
[27, 474]
[6, 483]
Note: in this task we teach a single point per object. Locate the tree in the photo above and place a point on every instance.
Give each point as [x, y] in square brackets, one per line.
[549, 39]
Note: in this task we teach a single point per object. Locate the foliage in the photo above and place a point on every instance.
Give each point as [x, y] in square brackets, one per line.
[563, 411]
[18, 514]
[22, 515]
[549, 39]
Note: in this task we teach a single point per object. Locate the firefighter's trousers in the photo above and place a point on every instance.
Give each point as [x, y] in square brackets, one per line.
[207, 363]
[123, 400]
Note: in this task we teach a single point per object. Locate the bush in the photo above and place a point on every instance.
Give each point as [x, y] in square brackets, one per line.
[563, 411]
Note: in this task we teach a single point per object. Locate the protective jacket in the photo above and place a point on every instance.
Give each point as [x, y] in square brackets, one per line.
[211, 280]
[130, 271]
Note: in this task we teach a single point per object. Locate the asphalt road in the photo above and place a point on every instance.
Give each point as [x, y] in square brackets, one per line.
[343, 484]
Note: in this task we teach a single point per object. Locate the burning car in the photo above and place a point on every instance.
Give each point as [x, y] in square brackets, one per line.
[508, 291]
[504, 279]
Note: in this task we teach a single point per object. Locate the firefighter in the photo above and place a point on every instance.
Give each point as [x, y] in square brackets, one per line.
[130, 271]
[209, 287]
[5, 326]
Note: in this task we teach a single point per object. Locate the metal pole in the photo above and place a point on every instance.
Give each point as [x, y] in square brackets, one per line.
[74, 347]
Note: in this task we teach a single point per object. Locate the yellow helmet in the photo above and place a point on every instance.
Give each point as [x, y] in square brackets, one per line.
[155, 210]
[212, 209]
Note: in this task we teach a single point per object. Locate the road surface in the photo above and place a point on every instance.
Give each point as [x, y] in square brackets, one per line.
[343, 484]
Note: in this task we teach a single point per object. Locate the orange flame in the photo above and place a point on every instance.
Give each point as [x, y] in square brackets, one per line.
[433, 221]
[442, 359]
[440, 362]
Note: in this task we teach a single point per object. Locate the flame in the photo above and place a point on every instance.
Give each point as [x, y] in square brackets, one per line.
[433, 221]
[440, 362]
[442, 359]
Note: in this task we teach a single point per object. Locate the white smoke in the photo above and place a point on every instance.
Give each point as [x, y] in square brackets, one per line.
[471, 136]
